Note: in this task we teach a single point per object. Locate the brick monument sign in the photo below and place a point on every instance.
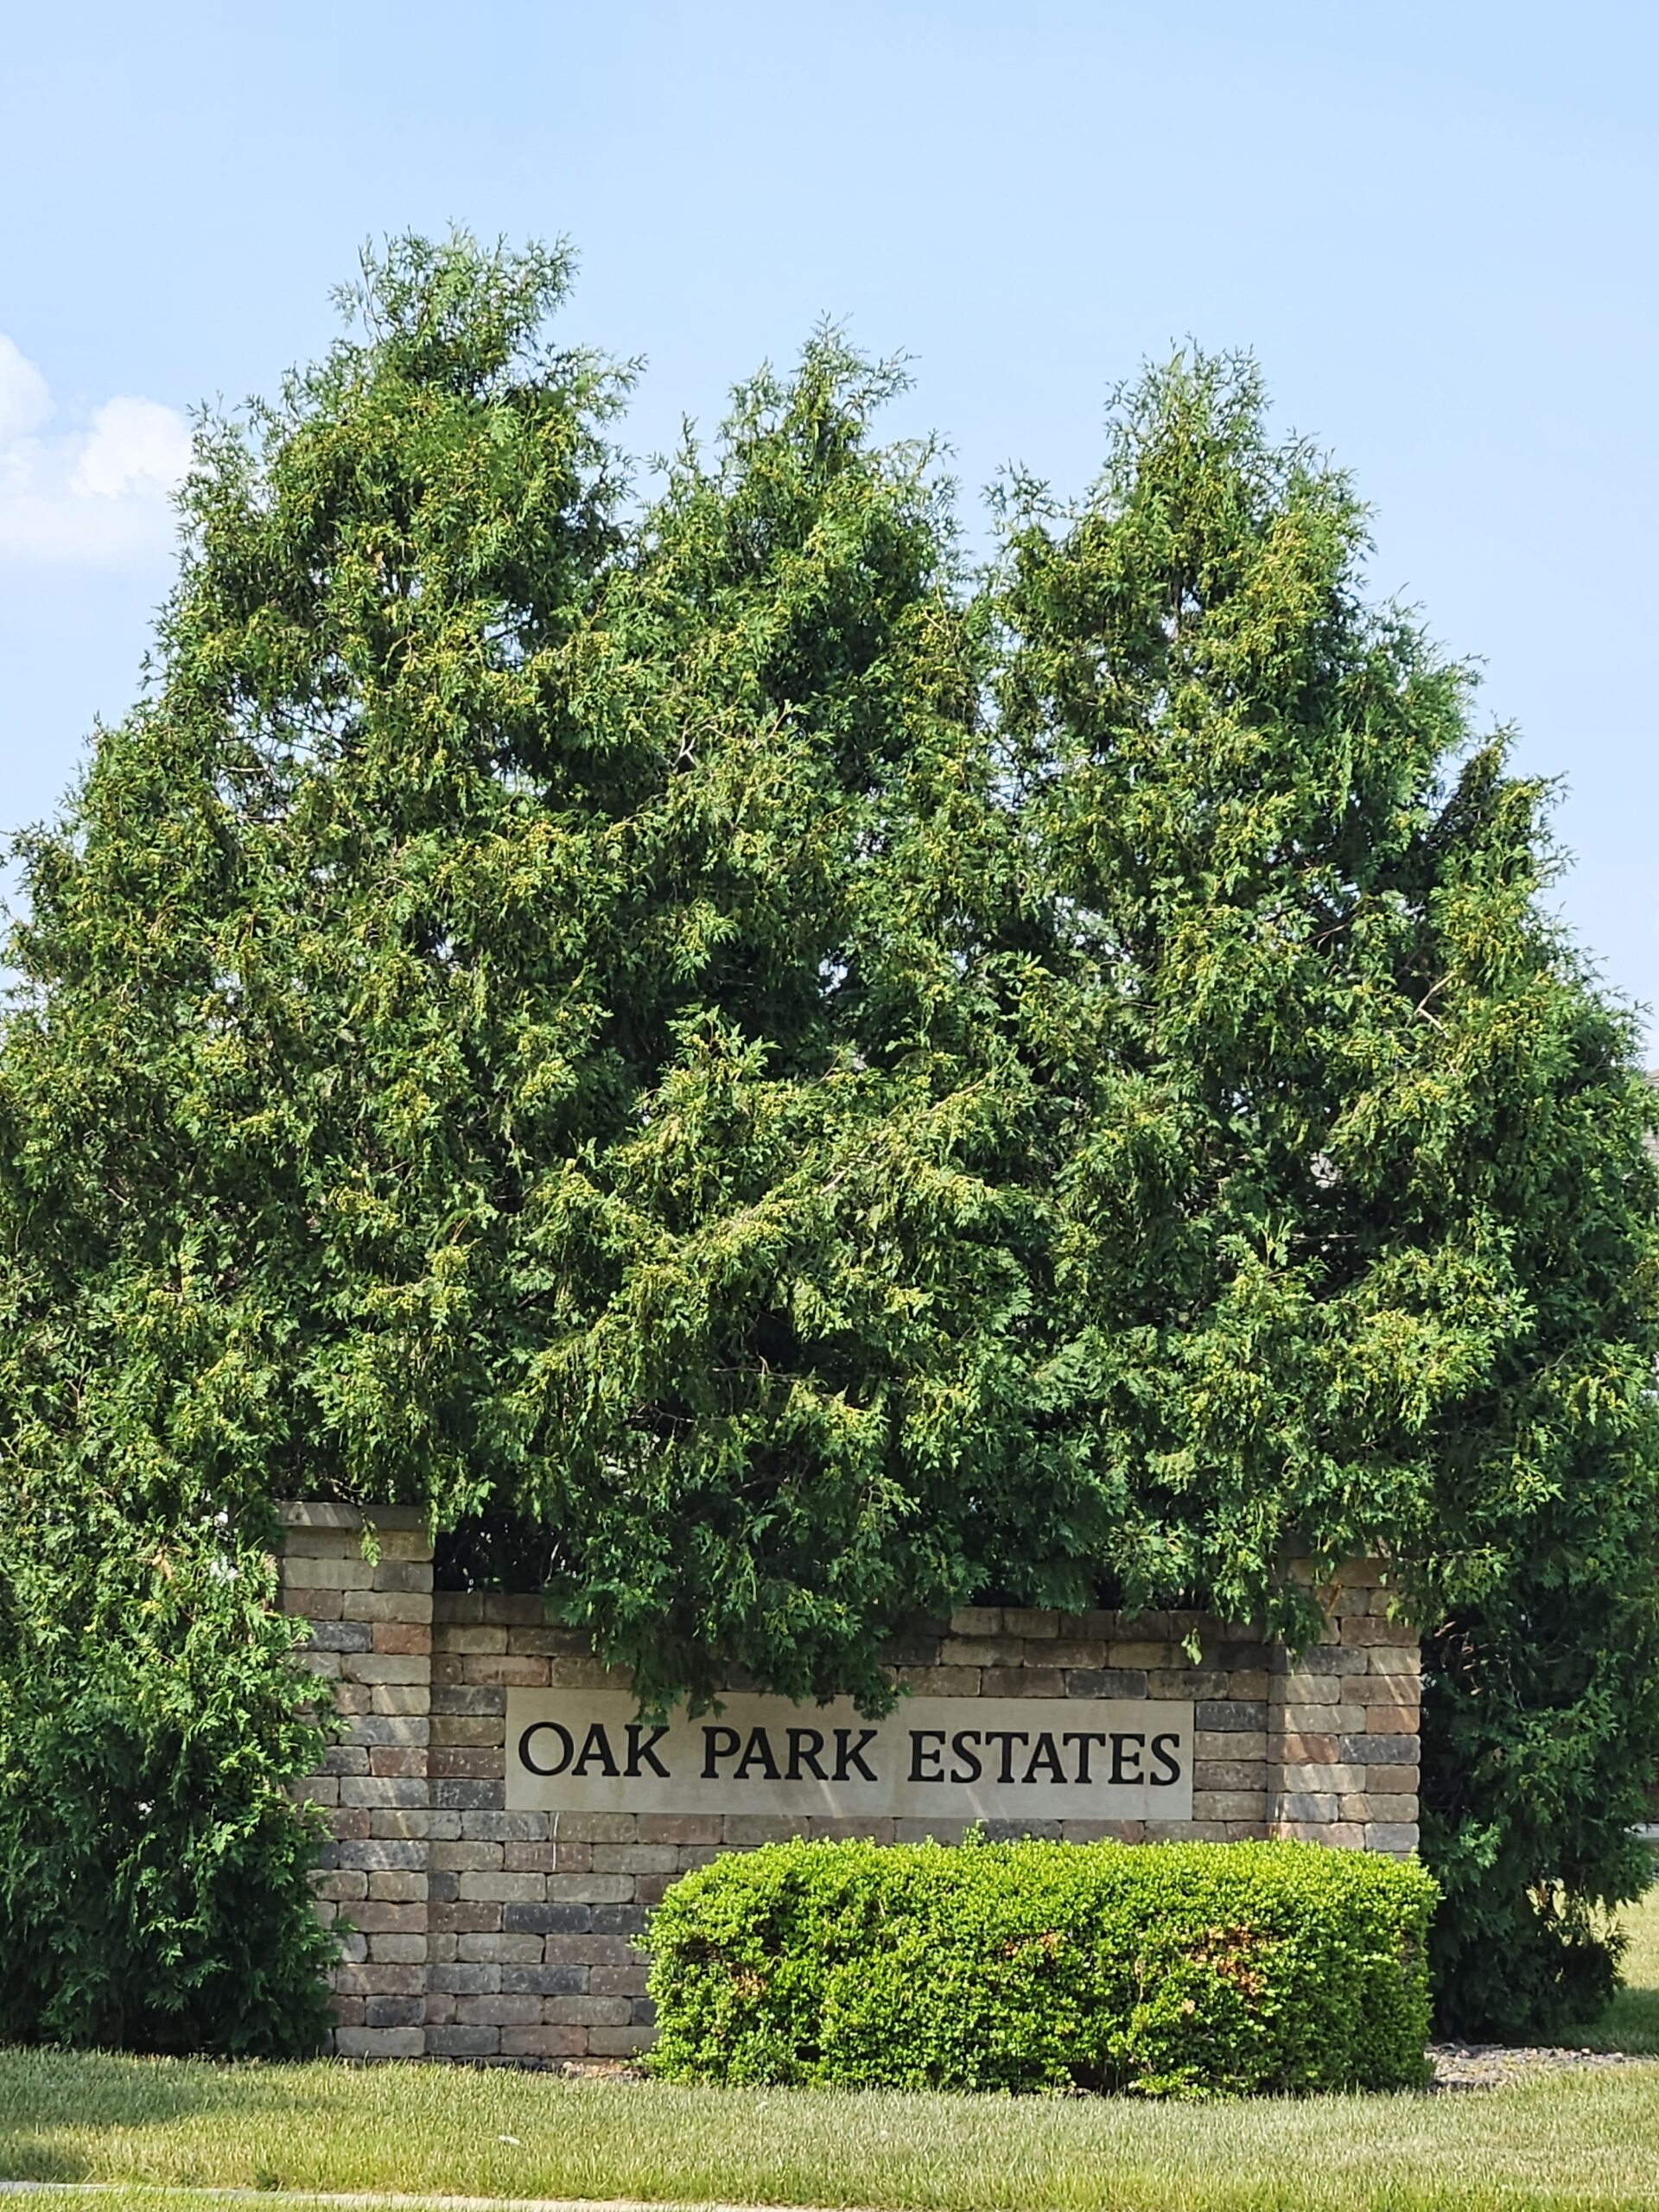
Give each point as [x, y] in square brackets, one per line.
[503, 1820]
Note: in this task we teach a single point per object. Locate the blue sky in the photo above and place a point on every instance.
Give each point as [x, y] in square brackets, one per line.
[1433, 223]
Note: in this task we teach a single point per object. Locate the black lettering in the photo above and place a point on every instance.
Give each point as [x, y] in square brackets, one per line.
[647, 1752]
[1121, 1779]
[1172, 1767]
[800, 1755]
[756, 1753]
[853, 1756]
[1008, 1738]
[1047, 1756]
[959, 1744]
[717, 1744]
[1082, 1738]
[552, 1728]
[921, 1743]
[595, 1745]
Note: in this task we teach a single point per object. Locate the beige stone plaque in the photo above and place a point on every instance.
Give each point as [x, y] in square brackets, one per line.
[958, 1759]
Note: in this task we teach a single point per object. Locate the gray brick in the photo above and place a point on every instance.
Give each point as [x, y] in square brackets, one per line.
[547, 1919]
[1105, 1681]
[383, 1856]
[381, 2042]
[619, 1919]
[471, 1981]
[340, 1636]
[1230, 1715]
[1397, 1838]
[469, 1697]
[1379, 1751]
[408, 1790]
[545, 1981]
[491, 1825]
[463, 2042]
[466, 1797]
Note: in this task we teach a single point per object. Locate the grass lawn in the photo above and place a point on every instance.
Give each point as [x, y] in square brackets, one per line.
[1632, 2020]
[1582, 2139]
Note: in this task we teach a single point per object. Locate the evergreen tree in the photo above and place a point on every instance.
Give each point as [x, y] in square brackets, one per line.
[1354, 1232]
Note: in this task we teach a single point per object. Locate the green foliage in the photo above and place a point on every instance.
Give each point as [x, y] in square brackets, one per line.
[1183, 1970]
[153, 1872]
[792, 1089]
[1354, 1241]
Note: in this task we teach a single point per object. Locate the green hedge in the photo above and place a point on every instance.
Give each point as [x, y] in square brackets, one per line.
[1168, 1969]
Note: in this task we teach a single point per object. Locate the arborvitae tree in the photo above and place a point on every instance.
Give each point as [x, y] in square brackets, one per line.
[1354, 1233]
[499, 1027]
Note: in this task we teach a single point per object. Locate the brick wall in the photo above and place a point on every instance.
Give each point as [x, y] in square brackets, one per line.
[487, 1934]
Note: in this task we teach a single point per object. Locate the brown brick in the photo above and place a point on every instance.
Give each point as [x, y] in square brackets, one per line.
[547, 2041]
[496, 1949]
[483, 1762]
[402, 1636]
[372, 1918]
[976, 1620]
[678, 1828]
[392, 1605]
[1347, 1834]
[514, 1608]
[396, 1947]
[1297, 1745]
[530, 1857]
[1391, 1721]
[1022, 1682]
[499, 2011]
[390, 1886]
[482, 1887]
[403, 1759]
[1227, 1804]
[744, 1830]
[596, 1828]
[975, 1651]
[470, 1728]
[941, 1681]
[1367, 1629]
[400, 1697]
[1230, 1774]
[477, 1916]
[636, 1859]
[502, 1670]
[460, 1636]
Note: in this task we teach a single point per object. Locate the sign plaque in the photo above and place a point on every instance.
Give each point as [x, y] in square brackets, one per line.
[949, 1758]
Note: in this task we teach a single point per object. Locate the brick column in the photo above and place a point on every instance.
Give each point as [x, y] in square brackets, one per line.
[1342, 1725]
[365, 1584]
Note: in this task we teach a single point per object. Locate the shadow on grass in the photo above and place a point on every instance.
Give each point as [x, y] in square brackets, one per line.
[44, 2093]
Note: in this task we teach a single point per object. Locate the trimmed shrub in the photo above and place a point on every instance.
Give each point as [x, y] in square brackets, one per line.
[1165, 1969]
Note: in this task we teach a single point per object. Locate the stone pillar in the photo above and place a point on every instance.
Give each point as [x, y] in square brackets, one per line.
[1342, 1725]
[364, 1581]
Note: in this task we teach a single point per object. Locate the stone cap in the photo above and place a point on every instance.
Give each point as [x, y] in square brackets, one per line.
[330, 1513]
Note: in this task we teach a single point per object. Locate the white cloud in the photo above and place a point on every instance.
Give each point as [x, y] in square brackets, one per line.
[97, 495]
[136, 445]
[25, 403]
